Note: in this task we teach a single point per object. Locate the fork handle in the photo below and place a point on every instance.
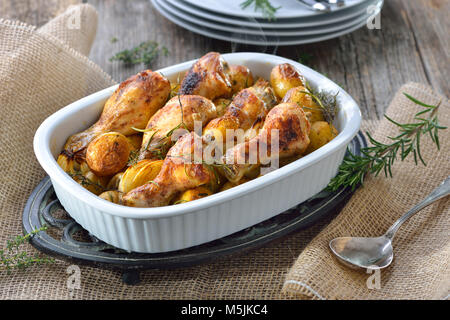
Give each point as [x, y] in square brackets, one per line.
[440, 192]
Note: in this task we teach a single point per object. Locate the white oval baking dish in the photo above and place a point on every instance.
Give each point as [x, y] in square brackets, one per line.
[188, 224]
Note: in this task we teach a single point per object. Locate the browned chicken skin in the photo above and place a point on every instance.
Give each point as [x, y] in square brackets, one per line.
[248, 109]
[293, 130]
[207, 77]
[131, 105]
[178, 173]
[158, 138]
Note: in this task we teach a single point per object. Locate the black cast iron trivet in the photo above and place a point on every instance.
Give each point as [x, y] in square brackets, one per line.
[66, 239]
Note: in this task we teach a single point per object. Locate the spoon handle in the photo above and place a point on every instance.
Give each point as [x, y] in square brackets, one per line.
[438, 193]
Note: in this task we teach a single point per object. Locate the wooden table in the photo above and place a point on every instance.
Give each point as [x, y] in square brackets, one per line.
[412, 45]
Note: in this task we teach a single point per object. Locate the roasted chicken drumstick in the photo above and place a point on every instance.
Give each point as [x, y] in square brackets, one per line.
[292, 128]
[179, 172]
[207, 77]
[158, 136]
[131, 105]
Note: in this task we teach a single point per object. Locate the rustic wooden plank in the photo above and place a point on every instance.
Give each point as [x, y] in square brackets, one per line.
[429, 23]
[370, 64]
[132, 22]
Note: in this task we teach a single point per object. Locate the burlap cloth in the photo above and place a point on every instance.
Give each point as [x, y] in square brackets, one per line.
[42, 70]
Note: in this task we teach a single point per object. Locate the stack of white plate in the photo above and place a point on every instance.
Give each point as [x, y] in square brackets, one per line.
[294, 22]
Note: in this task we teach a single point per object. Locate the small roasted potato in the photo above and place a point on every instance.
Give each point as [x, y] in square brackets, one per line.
[66, 163]
[139, 174]
[221, 105]
[285, 161]
[81, 173]
[90, 181]
[284, 77]
[230, 185]
[253, 172]
[218, 127]
[135, 141]
[108, 153]
[112, 196]
[321, 133]
[305, 101]
[113, 184]
[192, 194]
[240, 77]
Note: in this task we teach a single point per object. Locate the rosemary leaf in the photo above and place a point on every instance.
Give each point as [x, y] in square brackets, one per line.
[381, 156]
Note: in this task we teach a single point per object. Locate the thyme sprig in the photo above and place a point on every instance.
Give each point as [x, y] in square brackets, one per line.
[327, 101]
[380, 156]
[145, 52]
[12, 258]
[267, 9]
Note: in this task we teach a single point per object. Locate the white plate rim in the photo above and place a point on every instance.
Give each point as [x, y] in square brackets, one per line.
[262, 31]
[332, 17]
[258, 15]
[278, 42]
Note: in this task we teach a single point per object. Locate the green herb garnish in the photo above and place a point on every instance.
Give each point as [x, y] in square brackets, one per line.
[267, 9]
[305, 58]
[380, 157]
[145, 53]
[326, 101]
[12, 258]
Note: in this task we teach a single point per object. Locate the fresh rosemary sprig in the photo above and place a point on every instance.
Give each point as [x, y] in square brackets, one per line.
[264, 6]
[145, 53]
[326, 101]
[12, 258]
[380, 157]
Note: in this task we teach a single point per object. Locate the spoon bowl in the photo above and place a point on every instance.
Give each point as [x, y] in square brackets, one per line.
[377, 253]
[366, 253]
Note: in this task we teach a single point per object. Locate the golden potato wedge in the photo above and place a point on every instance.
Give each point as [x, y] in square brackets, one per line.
[192, 194]
[321, 133]
[304, 100]
[108, 153]
[139, 174]
[285, 77]
[112, 196]
[240, 77]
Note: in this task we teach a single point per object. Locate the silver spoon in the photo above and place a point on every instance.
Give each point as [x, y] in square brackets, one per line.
[377, 253]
